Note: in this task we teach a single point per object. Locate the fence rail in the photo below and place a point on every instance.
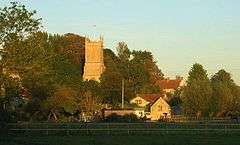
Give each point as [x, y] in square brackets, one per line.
[120, 128]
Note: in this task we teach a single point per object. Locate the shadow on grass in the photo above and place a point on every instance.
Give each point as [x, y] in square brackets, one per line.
[122, 140]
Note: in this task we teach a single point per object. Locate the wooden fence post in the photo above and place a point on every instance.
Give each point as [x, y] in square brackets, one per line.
[225, 128]
[108, 128]
[87, 129]
[166, 128]
[68, 129]
[47, 129]
[27, 126]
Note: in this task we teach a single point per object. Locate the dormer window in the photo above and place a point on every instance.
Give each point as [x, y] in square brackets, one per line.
[138, 101]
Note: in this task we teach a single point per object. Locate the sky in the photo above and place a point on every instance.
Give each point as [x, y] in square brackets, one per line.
[179, 33]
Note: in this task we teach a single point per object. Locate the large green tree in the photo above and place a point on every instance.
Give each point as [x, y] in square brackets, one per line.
[226, 99]
[111, 79]
[74, 49]
[144, 72]
[137, 68]
[197, 94]
[42, 67]
[16, 22]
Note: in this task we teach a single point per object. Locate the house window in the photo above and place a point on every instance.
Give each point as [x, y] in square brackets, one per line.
[138, 101]
[160, 108]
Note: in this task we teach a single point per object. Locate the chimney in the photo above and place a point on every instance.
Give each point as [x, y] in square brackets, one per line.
[179, 77]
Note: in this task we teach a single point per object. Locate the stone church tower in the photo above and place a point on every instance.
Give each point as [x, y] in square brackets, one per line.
[94, 64]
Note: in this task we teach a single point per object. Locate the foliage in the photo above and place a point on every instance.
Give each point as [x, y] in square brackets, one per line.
[138, 70]
[41, 67]
[90, 105]
[41, 76]
[74, 49]
[125, 118]
[17, 22]
[226, 95]
[175, 99]
[197, 94]
[111, 78]
[11, 99]
[123, 52]
[144, 72]
[63, 99]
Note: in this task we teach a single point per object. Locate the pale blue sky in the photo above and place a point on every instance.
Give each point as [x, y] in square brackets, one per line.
[177, 32]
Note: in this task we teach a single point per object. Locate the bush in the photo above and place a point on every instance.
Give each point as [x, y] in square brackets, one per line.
[119, 118]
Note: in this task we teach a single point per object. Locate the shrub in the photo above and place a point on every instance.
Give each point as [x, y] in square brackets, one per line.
[119, 118]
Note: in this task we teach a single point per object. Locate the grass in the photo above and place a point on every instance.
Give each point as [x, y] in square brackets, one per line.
[197, 135]
[123, 140]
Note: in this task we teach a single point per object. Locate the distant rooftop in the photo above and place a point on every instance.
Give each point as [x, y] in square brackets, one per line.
[169, 84]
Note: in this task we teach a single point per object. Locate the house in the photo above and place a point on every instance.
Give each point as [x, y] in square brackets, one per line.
[170, 86]
[155, 105]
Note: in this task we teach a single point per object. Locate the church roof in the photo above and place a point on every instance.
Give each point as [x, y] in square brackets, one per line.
[168, 84]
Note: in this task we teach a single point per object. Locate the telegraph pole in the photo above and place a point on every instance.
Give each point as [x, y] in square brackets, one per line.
[122, 93]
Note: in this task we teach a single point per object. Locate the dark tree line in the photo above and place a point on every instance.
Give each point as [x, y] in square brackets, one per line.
[138, 70]
[218, 96]
[41, 73]
[41, 76]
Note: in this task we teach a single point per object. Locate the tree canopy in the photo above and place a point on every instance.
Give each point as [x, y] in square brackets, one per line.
[41, 76]
[17, 22]
[137, 68]
[225, 94]
[198, 92]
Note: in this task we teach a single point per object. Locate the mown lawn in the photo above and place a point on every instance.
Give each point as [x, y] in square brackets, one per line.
[123, 140]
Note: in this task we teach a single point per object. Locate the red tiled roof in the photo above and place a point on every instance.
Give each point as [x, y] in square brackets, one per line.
[151, 97]
[168, 84]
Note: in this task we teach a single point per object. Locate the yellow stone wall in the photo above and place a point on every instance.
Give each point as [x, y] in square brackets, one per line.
[94, 65]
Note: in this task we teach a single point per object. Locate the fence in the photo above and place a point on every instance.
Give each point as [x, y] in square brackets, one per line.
[181, 119]
[120, 128]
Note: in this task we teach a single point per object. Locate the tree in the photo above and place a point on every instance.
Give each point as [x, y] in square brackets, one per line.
[63, 101]
[139, 73]
[90, 99]
[11, 97]
[175, 99]
[17, 22]
[124, 55]
[225, 94]
[111, 79]
[90, 105]
[137, 68]
[123, 52]
[74, 49]
[41, 67]
[197, 94]
[144, 72]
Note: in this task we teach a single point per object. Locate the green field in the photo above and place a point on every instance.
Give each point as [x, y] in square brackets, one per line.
[121, 134]
[123, 140]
